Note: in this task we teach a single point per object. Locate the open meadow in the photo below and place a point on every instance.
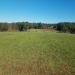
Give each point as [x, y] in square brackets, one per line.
[37, 53]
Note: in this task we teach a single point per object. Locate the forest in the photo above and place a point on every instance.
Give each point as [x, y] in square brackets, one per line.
[24, 26]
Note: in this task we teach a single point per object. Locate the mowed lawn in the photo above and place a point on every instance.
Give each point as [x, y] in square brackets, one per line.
[37, 53]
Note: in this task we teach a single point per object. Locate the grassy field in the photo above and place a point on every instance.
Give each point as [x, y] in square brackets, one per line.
[37, 53]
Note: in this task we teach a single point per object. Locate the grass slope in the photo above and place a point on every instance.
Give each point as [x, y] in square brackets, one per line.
[37, 53]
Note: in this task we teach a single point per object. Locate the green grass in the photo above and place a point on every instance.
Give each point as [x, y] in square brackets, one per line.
[37, 53]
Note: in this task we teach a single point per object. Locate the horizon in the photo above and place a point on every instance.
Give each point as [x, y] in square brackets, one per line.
[36, 22]
[44, 11]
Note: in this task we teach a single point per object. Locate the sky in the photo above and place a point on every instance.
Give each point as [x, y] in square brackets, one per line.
[46, 11]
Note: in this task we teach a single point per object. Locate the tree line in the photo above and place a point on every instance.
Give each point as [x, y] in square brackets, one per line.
[24, 26]
[66, 27]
